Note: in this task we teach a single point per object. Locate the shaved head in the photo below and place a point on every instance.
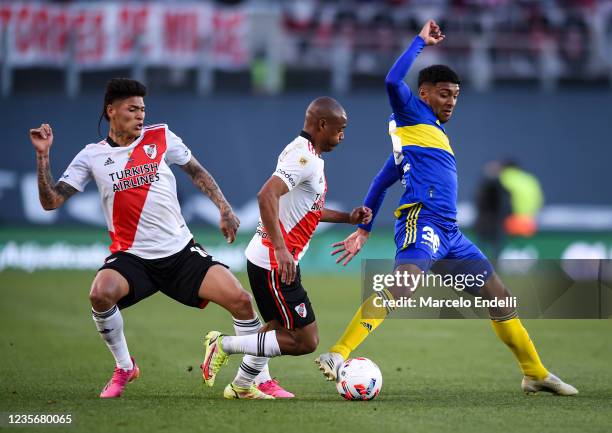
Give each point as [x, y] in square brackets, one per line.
[325, 122]
[324, 107]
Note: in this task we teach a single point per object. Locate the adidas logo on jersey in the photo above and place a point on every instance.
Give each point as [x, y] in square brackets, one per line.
[109, 161]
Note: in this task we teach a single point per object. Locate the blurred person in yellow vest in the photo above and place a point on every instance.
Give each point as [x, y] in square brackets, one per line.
[526, 199]
[507, 203]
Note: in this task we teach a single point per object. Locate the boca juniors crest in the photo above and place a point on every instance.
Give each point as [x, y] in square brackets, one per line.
[150, 150]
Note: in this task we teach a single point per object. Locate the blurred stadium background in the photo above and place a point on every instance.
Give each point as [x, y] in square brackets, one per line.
[232, 78]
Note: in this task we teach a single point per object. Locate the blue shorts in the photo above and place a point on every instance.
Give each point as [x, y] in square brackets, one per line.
[438, 245]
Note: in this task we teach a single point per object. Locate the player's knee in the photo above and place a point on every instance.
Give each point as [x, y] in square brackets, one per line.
[100, 299]
[308, 344]
[242, 303]
[104, 294]
[311, 344]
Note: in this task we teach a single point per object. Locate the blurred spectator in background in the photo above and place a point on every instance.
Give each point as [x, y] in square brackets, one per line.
[574, 43]
[526, 199]
[507, 204]
[492, 208]
[353, 42]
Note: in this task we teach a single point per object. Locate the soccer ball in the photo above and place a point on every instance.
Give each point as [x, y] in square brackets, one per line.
[359, 379]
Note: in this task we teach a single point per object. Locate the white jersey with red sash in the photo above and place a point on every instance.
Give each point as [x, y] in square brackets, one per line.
[302, 170]
[138, 191]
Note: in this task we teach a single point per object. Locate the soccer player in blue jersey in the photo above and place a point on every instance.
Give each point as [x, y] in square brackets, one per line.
[426, 229]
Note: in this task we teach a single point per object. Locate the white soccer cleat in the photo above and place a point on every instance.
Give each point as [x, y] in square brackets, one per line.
[550, 383]
[329, 363]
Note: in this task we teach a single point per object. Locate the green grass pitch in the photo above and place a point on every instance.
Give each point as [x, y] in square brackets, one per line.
[439, 375]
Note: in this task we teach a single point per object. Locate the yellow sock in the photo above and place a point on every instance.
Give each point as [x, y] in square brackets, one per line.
[367, 318]
[517, 339]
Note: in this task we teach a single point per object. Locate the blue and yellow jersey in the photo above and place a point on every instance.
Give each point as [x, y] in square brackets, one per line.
[422, 156]
[426, 163]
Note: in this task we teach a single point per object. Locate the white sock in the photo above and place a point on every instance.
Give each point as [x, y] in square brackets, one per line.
[262, 344]
[110, 326]
[264, 375]
[251, 365]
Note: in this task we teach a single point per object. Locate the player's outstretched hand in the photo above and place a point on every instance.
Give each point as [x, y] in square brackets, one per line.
[350, 246]
[42, 138]
[360, 215]
[286, 264]
[431, 33]
[229, 224]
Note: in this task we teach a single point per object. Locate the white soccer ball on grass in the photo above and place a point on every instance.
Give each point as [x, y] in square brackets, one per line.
[359, 379]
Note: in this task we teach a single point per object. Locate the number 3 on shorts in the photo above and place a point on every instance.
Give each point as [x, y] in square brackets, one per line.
[430, 238]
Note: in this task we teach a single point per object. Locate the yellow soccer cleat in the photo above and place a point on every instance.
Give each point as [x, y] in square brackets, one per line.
[214, 357]
[232, 392]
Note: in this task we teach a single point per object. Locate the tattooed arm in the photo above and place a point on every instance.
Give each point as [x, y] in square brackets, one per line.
[51, 195]
[203, 180]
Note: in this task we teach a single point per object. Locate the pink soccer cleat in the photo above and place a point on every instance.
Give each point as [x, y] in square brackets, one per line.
[272, 387]
[114, 387]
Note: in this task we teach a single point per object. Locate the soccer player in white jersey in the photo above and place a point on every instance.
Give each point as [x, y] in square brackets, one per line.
[152, 249]
[291, 204]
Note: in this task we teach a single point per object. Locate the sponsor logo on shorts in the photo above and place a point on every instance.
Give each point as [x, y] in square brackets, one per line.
[111, 260]
[301, 310]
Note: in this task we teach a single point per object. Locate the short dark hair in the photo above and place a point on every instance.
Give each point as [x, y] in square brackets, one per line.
[122, 88]
[438, 74]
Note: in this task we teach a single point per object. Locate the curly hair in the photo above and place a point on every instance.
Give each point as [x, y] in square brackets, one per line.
[118, 89]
